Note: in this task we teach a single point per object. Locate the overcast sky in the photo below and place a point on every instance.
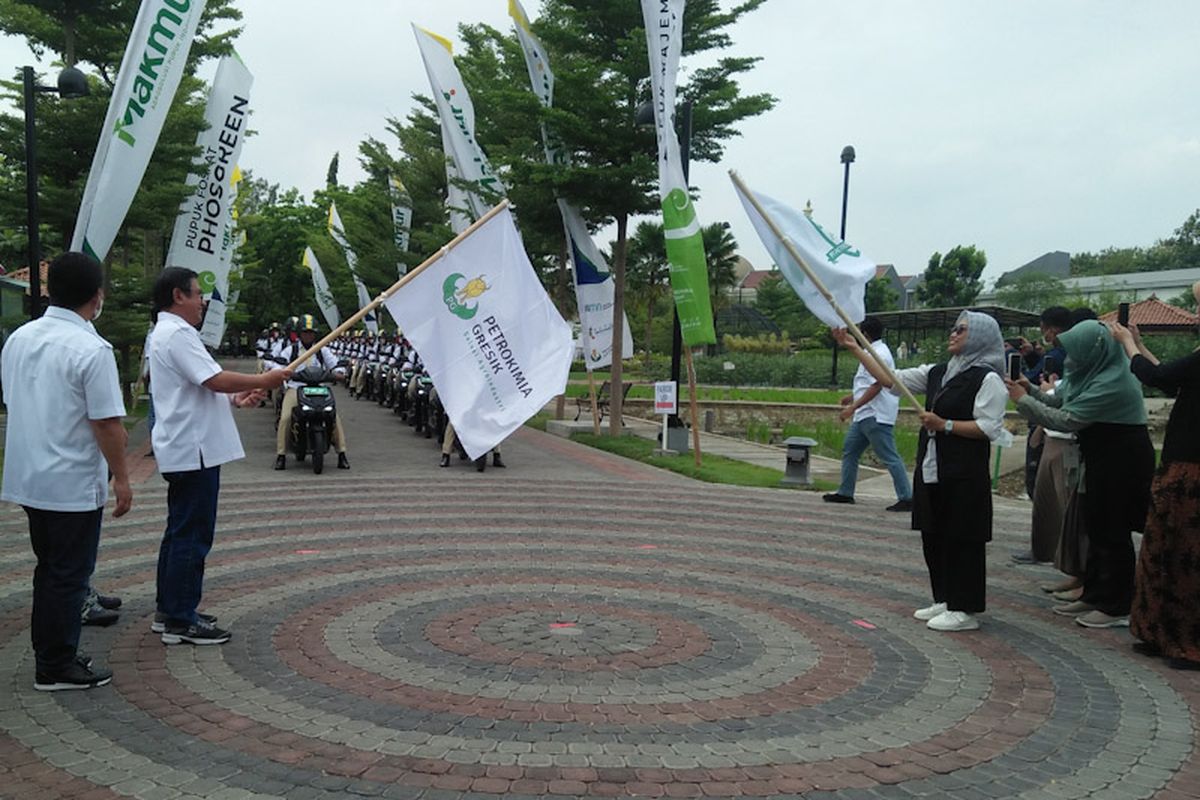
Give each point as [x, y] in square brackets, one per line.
[1021, 126]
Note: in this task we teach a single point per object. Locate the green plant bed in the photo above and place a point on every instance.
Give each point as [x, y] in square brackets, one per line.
[713, 469]
[720, 394]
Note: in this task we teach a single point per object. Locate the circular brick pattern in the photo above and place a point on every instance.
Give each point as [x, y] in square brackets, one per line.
[719, 648]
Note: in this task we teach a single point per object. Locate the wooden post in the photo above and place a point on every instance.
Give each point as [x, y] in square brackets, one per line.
[695, 414]
[595, 408]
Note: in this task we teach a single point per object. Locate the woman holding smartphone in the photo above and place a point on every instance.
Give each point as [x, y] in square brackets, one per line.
[1167, 588]
[1102, 404]
[952, 494]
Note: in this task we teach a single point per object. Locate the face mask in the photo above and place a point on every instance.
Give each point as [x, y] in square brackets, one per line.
[99, 310]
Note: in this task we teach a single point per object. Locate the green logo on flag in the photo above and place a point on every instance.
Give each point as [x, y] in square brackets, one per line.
[456, 296]
[837, 250]
[207, 281]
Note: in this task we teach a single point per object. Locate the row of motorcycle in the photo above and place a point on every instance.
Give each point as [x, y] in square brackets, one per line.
[410, 395]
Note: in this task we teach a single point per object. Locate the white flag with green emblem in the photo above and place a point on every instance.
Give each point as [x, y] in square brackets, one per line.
[843, 270]
[493, 342]
[324, 296]
[681, 225]
[401, 218]
[213, 328]
[457, 114]
[204, 224]
[147, 79]
[338, 232]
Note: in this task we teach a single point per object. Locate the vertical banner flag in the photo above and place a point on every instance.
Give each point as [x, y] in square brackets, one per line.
[457, 114]
[203, 224]
[401, 217]
[321, 289]
[593, 293]
[494, 344]
[843, 270]
[212, 330]
[338, 232]
[148, 77]
[681, 225]
[593, 282]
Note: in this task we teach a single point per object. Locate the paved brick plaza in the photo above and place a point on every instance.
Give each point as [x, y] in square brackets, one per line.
[404, 631]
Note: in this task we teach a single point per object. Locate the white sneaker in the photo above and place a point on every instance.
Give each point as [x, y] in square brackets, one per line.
[953, 621]
[926, 614]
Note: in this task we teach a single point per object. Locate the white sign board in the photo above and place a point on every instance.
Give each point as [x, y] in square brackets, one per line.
[665, 397]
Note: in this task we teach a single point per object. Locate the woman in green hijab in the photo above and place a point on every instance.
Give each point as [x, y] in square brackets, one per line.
[1102, 404]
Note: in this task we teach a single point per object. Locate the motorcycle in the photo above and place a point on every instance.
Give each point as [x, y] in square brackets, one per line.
[314, 417]
[422, 412]
[403, 378]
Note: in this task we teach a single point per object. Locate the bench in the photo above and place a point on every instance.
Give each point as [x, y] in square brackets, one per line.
[603, 399]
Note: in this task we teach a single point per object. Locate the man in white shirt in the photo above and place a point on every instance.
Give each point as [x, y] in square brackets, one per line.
[193, 436]
[64, 436]
[874, 415]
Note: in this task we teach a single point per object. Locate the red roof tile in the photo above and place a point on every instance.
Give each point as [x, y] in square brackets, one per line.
[756, 277]
[22, 274]
[1154, 313]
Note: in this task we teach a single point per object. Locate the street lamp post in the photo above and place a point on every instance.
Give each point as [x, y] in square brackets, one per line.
[847, 159]
[645, 116]
[71, 83]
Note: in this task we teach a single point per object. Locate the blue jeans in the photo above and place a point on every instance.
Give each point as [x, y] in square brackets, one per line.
[191, 523]
[882, 438]
[65, 545]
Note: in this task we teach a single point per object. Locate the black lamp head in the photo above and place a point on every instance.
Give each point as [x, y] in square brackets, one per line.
[72, 83]
[644, 115]
[848, 154]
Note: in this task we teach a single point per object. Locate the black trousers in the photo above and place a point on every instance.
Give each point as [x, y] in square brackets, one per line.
[955, 554]
[65, 544]
[1118, 470]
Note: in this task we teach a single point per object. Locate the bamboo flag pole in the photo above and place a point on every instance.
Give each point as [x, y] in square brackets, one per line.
[595, 408]
[695, 422]
[397, 286]
[850, 324]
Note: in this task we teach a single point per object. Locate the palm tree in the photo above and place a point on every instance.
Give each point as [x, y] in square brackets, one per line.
[646, 272]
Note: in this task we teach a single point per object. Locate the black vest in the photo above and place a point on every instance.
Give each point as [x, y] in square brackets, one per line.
[958, 457]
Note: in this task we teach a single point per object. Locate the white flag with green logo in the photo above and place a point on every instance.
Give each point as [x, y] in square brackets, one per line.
[401, 218]
[203, 225]
[338, 232]
[213, 328]
[493, 342]
[148, 77]
[843, 270]
[681, 225]
[457, 114]
[321, 290]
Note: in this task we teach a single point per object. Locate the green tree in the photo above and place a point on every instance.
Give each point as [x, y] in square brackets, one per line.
[780, 304]
[598, 52]
[954, 279]
[881, 296]
[1033, 292]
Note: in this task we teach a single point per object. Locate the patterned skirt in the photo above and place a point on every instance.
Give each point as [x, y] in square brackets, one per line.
[1166, 603]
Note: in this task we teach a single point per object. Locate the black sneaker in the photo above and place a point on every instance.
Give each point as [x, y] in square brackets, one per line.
[837, 498]
[496, 462]
[343, 462]
[109, 601]
[73, 676]
[280, 462]
[198, 633]
[901, 505]
[96, 615]
[159, 624]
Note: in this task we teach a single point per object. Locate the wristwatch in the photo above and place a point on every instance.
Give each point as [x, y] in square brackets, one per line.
[949, 426]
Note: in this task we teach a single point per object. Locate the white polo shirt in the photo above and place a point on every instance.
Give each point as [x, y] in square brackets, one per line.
[58, 374]
[886, 406]
[191, 422]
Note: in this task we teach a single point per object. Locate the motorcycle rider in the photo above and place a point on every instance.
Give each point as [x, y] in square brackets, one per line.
[287, 353]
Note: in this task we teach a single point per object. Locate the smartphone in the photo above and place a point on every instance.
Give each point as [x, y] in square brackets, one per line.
[1123, 314]
[1014, 366]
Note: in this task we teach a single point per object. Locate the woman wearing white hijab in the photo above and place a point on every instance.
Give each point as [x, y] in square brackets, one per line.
[952, 497]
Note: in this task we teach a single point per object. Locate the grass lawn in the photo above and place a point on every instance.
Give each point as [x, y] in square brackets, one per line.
[726, 394]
